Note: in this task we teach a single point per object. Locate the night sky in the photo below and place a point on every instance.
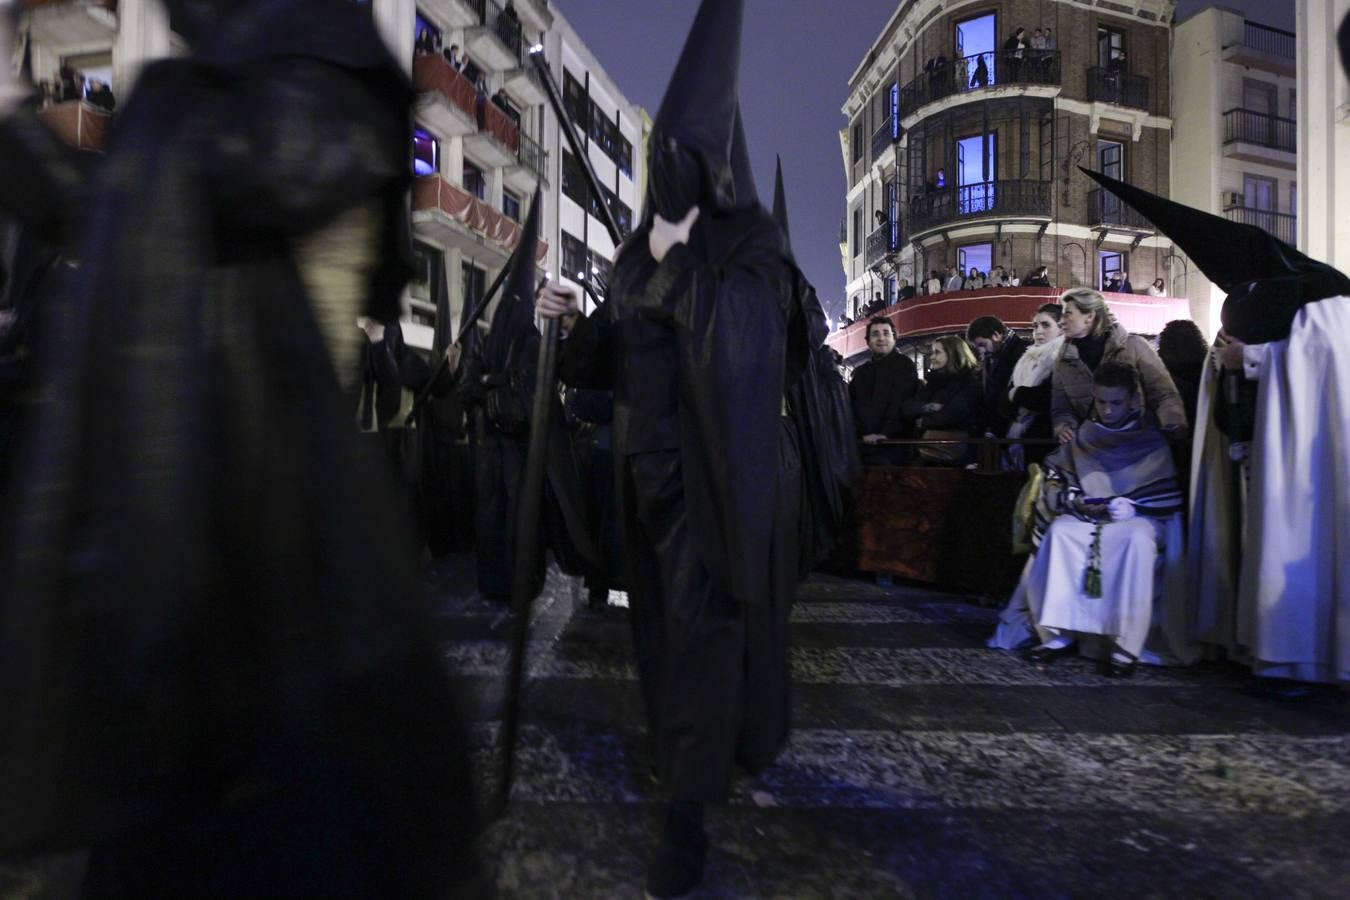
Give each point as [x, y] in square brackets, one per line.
[796, 59]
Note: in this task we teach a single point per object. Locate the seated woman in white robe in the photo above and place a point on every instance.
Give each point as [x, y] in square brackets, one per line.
[1109, 498]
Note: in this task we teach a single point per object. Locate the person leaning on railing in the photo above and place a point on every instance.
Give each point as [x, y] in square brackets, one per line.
[947, 403]
[1093, 338]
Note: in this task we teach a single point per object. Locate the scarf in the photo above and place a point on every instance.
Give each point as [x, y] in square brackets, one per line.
[1092, 349]
[1035, 365]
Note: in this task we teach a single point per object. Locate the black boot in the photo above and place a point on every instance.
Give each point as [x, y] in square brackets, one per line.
[676, 868]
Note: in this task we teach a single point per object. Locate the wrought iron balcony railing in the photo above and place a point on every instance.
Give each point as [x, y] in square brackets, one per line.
[1013, 197]
[1106, 85]
[1105, 209]
[996, 68]
[532, 155]
[1282, 225]
[1250, 127]
[883, 241]
[884, 136]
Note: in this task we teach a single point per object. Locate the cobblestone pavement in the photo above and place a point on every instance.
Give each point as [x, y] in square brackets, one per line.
[920, 765]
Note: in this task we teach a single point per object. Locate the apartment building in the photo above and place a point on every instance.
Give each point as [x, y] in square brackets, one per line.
[970, 151]
[1323, 134]
[1235, 133]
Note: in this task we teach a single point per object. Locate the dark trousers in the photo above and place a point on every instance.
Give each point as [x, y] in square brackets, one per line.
[714, 671]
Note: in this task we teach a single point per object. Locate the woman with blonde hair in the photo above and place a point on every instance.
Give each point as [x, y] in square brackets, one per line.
[1092, 337]
[948, 402]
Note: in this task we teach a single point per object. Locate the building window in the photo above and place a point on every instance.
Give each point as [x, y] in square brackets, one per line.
[976, 36]
[857, 231]
[1260, 97]
[1259, 192]
[573, 257]
[857, 141]
[474, 182]
[1293, 103]
[426, 153]
[625, 159]
[473, 283]
[574, 180]
[979, 257]
[1110, 45]
[511, 206]
[1293, 198]
[976, 163]
[424, 261]
[1111, 159]
[574, 101]
[1110, 264]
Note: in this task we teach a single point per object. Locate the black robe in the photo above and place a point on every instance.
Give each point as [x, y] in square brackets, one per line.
[210, 591]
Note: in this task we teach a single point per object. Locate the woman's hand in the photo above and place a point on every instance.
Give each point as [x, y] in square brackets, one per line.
[374, 331]
[665, 235]
[559, 301]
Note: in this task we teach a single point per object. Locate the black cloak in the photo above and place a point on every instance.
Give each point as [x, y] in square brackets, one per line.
[207, 564]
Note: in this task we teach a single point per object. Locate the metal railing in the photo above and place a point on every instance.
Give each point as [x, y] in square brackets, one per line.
[1282, 225]
[884, 240]
[981, 70]
[884, 136]
[1014, 197]
[1106, 209]
[1119, 88]
[1251, 127]
[1265, 39]
[508, 30]
[532, 155]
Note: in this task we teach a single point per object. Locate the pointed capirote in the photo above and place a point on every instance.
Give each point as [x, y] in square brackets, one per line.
[1230, 254]
[742, 173]
[699, 107]
[514, 316]
[780, 213]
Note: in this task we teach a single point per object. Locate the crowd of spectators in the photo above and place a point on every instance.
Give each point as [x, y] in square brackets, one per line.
[69, 84]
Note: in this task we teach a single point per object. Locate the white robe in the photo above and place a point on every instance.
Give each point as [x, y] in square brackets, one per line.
[1294, 597]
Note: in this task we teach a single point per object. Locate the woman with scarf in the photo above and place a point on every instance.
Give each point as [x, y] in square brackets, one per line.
[1110, 503]
[1093, 338]
[1027, 405]
[948, 402]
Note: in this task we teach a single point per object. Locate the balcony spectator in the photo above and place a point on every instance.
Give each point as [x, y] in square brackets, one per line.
[1117, 65]
[71, 84]
[941, 181]
[981, 77]
[954, 279]
[1039, 277]
[905, 291]
[882, 219]
[1014, 52]
[510, 14]
[878, 392]
[1093, 338]
[454, 58]
[1157, 288]
[1013, 280]
[934, 283]
[1050, 40]
[947, 403]
[973, 281]
[1113, 501]
[426, 42]
[998, 350]
[1038, 55]
[1027, 401]
[101, 95]
[1119, 284]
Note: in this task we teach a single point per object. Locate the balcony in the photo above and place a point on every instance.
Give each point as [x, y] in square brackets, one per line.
[454, 13]
[995, 69]
[1117, 88]
[1262, 47]
[883, 137]
[448, 215]
[69, 22]
[1282, 225]
[495, 42]
[523, 82]
[531, 162]
[79, 124]
[446, 101]
[1258, 137]
[1107, 212]
[881, 243]
[496, 143]
[1009, 199]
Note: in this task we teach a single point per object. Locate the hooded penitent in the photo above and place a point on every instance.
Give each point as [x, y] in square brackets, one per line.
[690, 156]
[1267, 281]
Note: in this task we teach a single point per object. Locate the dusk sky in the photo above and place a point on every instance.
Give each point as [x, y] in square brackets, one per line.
[796, 59]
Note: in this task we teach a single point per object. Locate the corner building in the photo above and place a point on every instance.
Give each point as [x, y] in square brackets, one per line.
[971, 152]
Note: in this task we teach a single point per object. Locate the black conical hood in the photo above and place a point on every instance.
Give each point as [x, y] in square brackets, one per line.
[1343, 38]
[742, 173]
[699, 107]
[1229, 253]
[780, 213]
[1267, 281]
[513, 322]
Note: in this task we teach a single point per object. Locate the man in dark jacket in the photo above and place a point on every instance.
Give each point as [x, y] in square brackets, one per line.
[879, 388]
[999, 350]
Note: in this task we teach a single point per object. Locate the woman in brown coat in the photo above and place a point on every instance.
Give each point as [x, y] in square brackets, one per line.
[1093, 337]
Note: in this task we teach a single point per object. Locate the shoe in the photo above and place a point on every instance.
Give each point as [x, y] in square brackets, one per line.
[1116, 667]
[676, 868]
[1044, 655]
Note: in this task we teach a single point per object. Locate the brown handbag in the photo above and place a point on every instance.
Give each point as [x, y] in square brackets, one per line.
[944, 453]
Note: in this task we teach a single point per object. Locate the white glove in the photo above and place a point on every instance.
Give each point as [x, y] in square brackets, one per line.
[1238, 451]
[1120, 509]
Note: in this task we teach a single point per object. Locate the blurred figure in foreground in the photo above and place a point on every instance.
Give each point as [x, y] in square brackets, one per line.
[211, 639]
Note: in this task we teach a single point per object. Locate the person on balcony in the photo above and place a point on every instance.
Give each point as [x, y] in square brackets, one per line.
[1093, 338]
[954, 280]
[454, 57]
[1157, 289]
[998, 349]
[426, 42]
[1014, 53]
[1110, 501]
[101, 95]
[1039, 277]
[1119, 283]
[905, 290]
[879, 389]
[882, 219]
[981, 77]
[934, 283]
[947, 403]
[973, 281]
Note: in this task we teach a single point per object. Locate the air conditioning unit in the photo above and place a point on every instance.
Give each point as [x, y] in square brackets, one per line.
[1232, 199]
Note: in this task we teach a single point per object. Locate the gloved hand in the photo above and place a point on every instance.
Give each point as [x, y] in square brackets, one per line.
[1120, 509]
[1238, 451]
